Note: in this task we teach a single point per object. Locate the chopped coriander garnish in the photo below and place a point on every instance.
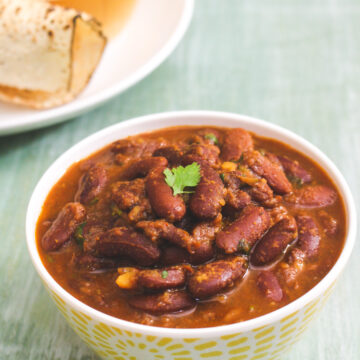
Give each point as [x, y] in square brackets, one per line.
[181, 177]
[79, 237]
[212, 138]
[241, 158]
[164, 274]
[296, 181]
[222, 177]
[94, 201]
[115, 211]
[243, 246]
[262, 152]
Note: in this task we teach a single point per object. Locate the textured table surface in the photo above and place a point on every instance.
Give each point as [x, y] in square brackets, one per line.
[293, 63]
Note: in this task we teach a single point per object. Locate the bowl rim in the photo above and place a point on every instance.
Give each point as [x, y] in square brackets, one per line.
[187, 117]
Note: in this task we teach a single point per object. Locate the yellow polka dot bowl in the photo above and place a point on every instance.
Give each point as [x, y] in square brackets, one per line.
[265, 337]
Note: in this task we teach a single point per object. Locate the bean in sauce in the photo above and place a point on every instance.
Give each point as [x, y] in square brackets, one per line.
[262, 226]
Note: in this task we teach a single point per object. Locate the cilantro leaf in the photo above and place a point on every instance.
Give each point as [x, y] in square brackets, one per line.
[212, 138]
[164, 274]
[170, 177]
[262, 152]
[94, 201]
[296, 181]
[180, 177]
[79, 237]
[243, 246]
[115, 211]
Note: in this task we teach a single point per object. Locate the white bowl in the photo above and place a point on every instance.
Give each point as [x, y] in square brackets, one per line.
[267, 336]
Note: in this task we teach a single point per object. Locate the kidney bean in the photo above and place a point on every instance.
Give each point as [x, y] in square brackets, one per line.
[274, 159]
[208, 198]
[92, 263]
[296, 256]
[244, 231]
[166, 278]
[128, 146]
[293, 265]
[204, 236]
[294, 170]
[121, 159]
[131, 148]
[91, 234]
[64, 226]
[171, 153]
[237, 199]
[246, 176]
[202, 253]
[142, 167]
[236, 141]
[160, 229]
[137, 147]
[278, 213]
[312, 197]
[210, 279]
[173, 255]
[273, 203]
[309, 237]
[231, 180]
[270, 286]
[91, 184]
[153, 279]
[257, 188]
[122, 241]
[261, 192]
[274, 242]
[127, 194]
[271, 171]
[206, 230]
[161, 197]
[204, 153]
[141, 211]
[167, 302]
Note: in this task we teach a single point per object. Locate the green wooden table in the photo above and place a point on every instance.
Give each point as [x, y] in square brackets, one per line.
[294, 63]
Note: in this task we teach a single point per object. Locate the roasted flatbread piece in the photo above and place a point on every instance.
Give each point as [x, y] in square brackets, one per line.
[48, 53]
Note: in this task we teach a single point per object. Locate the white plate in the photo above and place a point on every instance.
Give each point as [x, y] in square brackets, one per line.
[151, 34]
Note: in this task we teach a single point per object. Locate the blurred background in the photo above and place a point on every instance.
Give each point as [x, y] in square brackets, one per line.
[293, 63]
